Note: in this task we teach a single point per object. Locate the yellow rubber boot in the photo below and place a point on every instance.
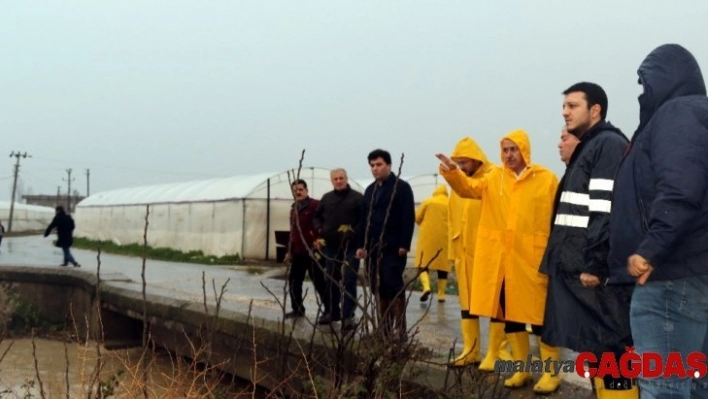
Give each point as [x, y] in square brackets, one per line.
[548, 383]
[520, 349]
[504, 351]
[496, 337]
[442, 286]
[470, 339]
[599, 386]
[425, 282]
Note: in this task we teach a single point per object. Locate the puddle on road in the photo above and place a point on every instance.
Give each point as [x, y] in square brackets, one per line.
[120, 376]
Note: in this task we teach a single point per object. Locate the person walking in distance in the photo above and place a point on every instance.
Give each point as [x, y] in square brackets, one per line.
[64, 225]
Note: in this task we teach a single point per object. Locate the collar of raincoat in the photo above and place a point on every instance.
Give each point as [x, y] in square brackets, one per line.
[468, 148]
[521, 139]
[440, 190]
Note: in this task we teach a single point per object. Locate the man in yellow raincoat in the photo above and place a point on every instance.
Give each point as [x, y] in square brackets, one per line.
[463, 221]
[517, 201]
[431, 217]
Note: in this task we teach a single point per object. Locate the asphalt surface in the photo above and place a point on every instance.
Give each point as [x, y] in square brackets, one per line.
[438, 326]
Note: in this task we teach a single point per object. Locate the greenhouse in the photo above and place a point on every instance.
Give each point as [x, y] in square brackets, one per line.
[224, 216]
[26, 217]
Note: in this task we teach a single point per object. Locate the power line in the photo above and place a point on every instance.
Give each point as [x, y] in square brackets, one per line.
[94, 165]
[68, 180]
[16, 155]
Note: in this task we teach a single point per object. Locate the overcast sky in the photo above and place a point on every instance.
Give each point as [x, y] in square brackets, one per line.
[165, 91]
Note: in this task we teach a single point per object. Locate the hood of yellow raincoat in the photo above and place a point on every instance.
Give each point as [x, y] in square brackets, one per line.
[440, 190]
[521, 139]
[468, 148]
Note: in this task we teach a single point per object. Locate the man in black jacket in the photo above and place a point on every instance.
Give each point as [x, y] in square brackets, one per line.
[384, 234]
[65, 234]
[659, 226]
[336, 218]
[576, 255]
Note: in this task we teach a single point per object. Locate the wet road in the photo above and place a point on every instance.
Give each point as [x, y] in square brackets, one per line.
[438, 323]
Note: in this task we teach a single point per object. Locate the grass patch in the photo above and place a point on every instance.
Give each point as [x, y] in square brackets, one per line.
[166, 254]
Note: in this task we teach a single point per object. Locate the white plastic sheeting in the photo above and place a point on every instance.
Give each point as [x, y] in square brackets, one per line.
[26, 217]
[224, 216]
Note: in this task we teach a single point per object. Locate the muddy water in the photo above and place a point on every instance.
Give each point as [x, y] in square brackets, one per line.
[120, 373]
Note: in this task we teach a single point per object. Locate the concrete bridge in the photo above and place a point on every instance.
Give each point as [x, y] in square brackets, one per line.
[178, 301]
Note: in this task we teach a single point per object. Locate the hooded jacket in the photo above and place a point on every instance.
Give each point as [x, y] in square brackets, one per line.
[464, 213]
[512, 236]
[431, 218]
[64, 224]
[660, 197]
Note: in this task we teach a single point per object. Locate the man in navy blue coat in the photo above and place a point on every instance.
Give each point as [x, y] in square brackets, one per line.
[385, 233]
[659, 221]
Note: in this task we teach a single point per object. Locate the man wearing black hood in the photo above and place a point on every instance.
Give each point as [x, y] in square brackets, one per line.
[659, 223]
[65, 234]
[576, 255]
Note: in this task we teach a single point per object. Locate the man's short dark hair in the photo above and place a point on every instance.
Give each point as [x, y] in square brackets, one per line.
[379, 153]
[594, 94]
[299, 181]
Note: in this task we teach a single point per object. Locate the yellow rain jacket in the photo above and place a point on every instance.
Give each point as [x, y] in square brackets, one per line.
[456, 210]
[513, 232]
[463, 219]
[431, 217]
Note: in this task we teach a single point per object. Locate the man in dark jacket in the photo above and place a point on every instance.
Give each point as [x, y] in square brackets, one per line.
[302, 239]
[576, 256]
[336, 219]
[65, 234]
[384, 234]
[659, 224]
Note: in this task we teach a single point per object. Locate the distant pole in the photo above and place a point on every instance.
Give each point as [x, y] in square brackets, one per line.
[17, 155]
[58, 195]
[267, 220]
[68, 190]
[88, 174]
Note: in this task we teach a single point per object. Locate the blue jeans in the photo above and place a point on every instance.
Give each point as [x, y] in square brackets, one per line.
[342, 270]
[68, 257]
[671, 316]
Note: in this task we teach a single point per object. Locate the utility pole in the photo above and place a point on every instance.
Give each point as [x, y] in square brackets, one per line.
[68, 180]
[58, 195]
[17, 155]
[88, 173]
